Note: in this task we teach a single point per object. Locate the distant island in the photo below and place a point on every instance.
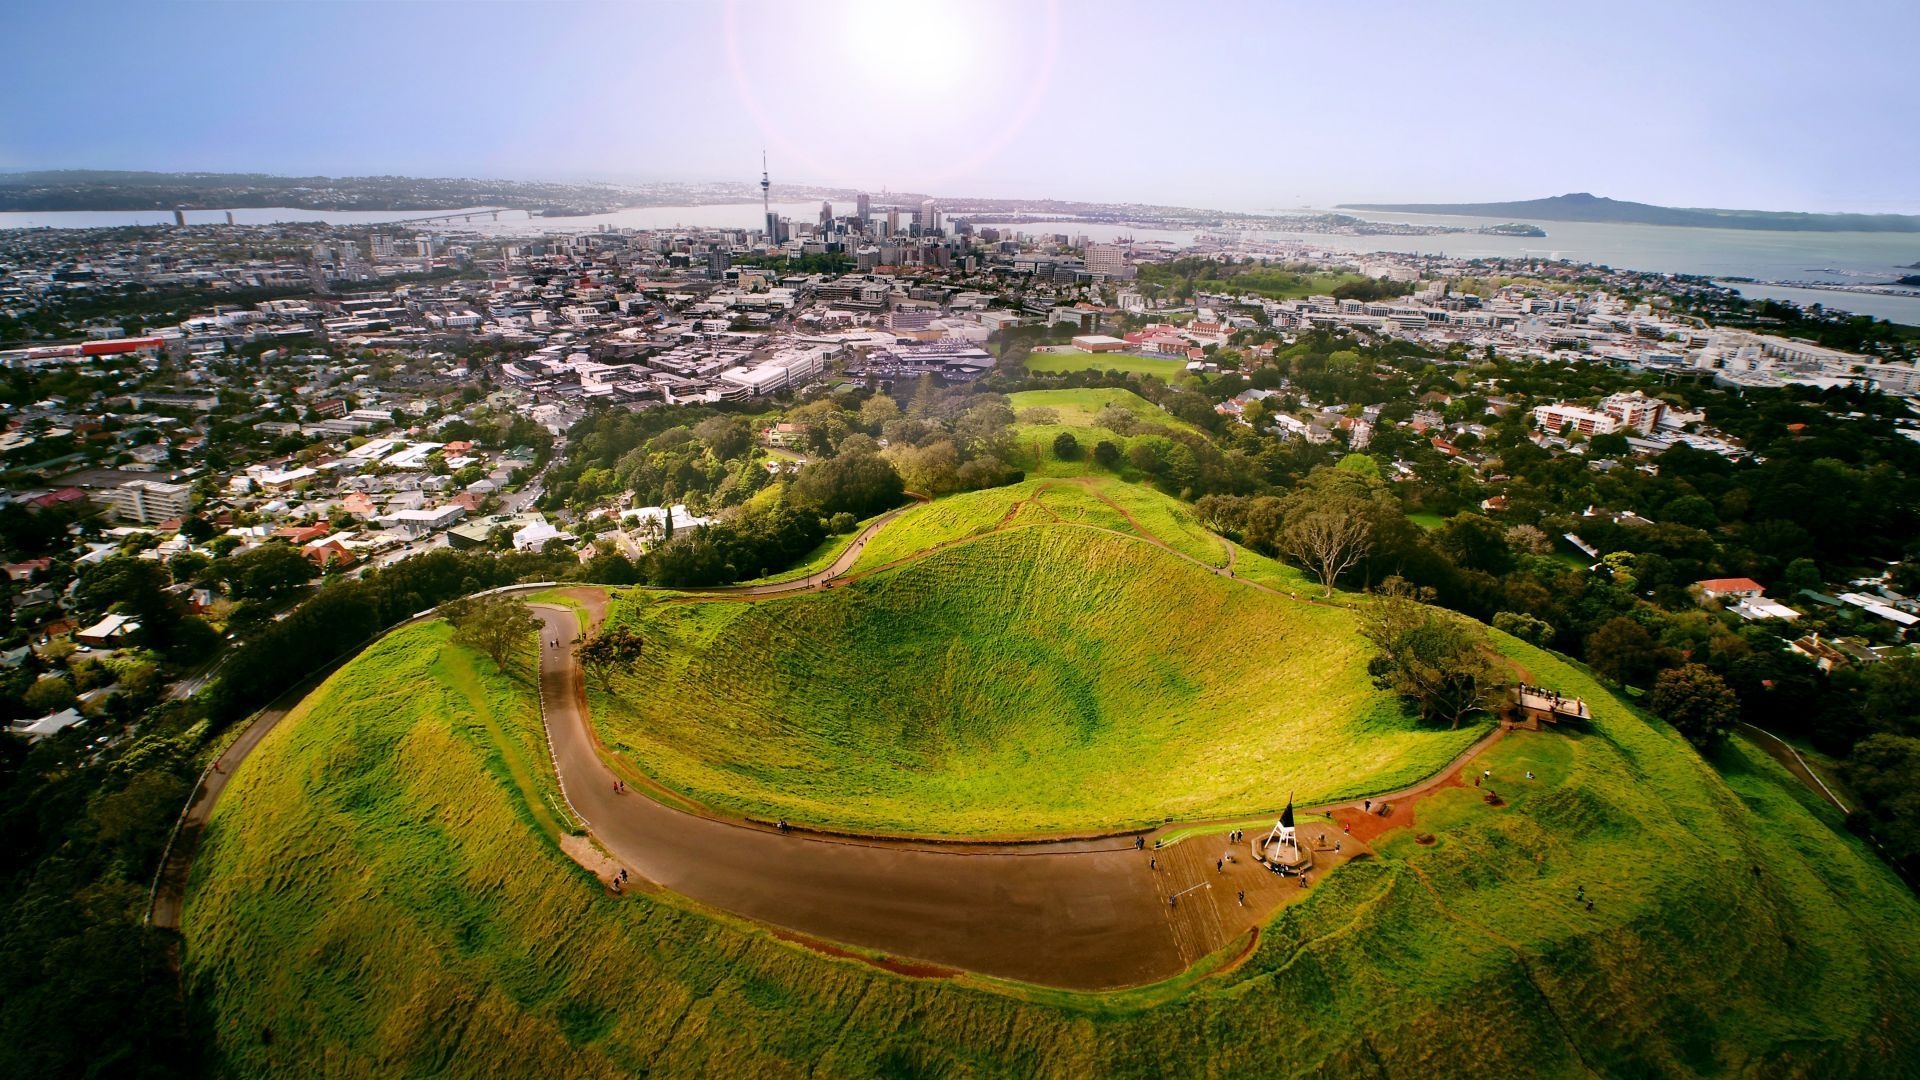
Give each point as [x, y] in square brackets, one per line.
[1582, 206]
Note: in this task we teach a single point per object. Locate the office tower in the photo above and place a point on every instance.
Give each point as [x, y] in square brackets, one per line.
[1105, 259]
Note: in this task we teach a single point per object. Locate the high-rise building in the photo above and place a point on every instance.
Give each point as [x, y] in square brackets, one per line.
[180, 218]
[929, 218]
[893, 221]
[826, 214]
[862, 207]
[1106, 259]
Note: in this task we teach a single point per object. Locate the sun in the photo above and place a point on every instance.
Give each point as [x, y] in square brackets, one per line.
[932, 89]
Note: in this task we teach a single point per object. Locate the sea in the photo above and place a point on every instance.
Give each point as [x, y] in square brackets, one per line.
[1802, 258]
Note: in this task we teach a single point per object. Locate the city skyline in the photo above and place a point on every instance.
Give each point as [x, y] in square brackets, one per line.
[1230, 106]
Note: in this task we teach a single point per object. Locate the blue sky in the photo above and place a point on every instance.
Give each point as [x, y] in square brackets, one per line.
[1255, 105]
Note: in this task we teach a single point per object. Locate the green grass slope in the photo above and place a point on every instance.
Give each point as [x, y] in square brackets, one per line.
[1042, 678]
[376, 898]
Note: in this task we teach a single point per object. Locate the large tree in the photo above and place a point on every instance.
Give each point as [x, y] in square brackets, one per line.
[1624, 651]
[267, 572]
[1697, 702]
[1885, 770]
[1441, 663]
[862, 484]
[1328, 538]
[611, 648]
[494, 625]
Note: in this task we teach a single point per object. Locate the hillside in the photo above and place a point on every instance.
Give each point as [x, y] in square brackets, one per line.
[379, 895]
[1581, 206]
[1059, 674]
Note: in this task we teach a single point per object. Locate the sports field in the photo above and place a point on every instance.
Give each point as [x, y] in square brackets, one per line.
[1161, 366]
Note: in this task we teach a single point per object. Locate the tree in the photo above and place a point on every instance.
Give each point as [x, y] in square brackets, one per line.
[1527, 628]
[862, 484]
[1328, 538]
[1106, 454]
[612, 647]
[267, 572]
[1623, 651]
[726, 436]
[49, 694]
[493, 625]
[1066, 447]
[1440, 662]
[187, 566]
[197, 529]
[1885, 770]
[878, 411]
[136, 587]
[1476, 542]
[1529, 539]
[1697, 702]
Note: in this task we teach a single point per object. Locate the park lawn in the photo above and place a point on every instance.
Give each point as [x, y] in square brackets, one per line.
[1427, 521]
[1125, 363]
[374, 898]
[1042, 679]
[1078, 407]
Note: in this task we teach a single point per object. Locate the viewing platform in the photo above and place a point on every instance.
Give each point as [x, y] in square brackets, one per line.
[1537, 705]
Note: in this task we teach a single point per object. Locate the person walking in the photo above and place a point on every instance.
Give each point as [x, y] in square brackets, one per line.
[1153, 864]
[1220, 865]
[1367, 806]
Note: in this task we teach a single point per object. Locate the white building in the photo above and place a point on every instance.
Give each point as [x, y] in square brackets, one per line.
[1635, 410]
[1555, 418]
[149, 502]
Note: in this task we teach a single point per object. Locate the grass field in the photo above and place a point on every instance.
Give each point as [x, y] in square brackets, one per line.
[375, 898]
[1046, 678]
[1050, 363]
[1078, 411]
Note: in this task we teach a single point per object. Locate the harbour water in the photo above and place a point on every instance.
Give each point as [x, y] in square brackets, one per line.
[1849, 258]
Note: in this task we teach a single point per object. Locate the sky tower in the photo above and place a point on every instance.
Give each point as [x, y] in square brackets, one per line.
[766, 205]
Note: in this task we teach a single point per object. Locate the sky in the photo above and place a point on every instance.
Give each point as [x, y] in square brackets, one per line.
[1247, 106]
